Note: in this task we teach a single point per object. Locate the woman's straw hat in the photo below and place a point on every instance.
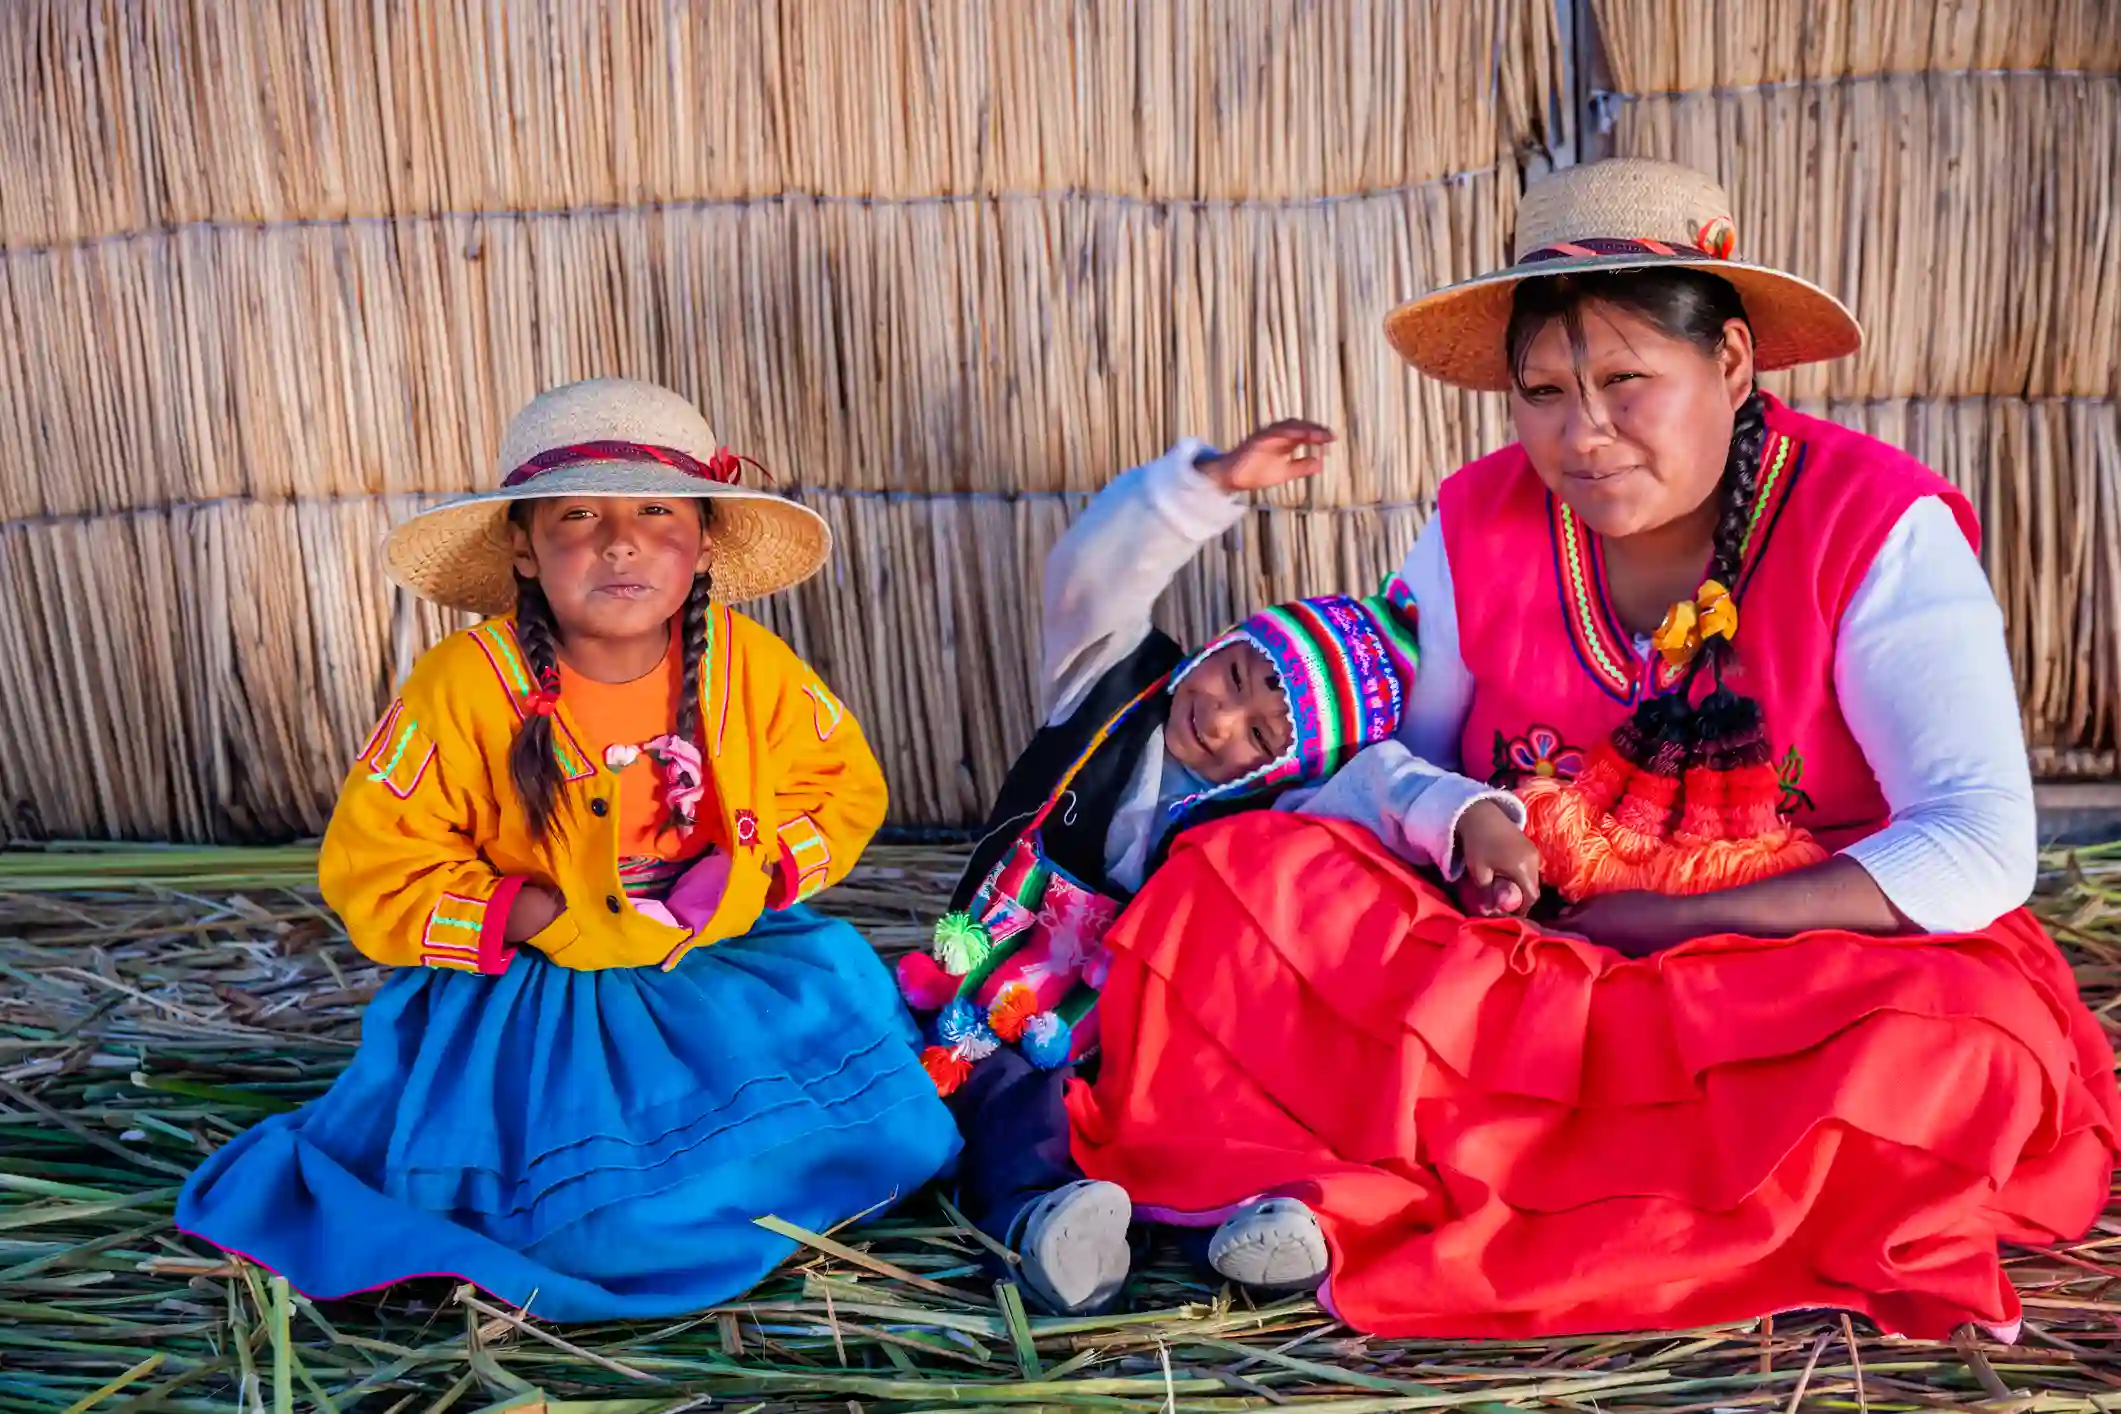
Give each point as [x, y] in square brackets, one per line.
[1623, 214]
[606, 437]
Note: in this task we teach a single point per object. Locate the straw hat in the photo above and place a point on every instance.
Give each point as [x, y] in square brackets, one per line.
[1623, 214]
[606, 437]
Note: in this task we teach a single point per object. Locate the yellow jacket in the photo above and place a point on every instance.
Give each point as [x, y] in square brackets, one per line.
[428, 845]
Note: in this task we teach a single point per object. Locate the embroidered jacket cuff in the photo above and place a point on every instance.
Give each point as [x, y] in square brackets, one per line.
[470, 934]
[806, 860]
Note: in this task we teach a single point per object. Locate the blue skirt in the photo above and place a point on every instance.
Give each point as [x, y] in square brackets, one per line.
[593, 1144]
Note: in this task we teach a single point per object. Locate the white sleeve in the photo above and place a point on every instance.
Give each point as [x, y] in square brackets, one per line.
[1924, 680]
[1443, 690]
[1104, 576]
[1404, 791]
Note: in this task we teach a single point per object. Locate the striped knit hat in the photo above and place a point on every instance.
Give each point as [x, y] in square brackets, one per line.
[1346, 666]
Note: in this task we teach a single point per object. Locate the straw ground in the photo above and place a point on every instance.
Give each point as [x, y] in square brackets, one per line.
[157, 1001]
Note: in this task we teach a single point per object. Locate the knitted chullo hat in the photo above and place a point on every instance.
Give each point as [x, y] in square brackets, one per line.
[1345, 665]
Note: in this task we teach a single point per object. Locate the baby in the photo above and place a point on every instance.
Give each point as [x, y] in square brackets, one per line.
[1141, 741]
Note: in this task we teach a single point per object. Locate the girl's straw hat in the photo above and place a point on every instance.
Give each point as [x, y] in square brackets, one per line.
[606, 437]
[1623, 214]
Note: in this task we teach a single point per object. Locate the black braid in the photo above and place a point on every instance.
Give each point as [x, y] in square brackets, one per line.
[692, 629]
[532, 768]
[1741, 479]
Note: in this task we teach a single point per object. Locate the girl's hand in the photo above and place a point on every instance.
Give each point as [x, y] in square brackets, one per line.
[1274, 455]
[1636, 924]
[1501, 866]
[535, 909]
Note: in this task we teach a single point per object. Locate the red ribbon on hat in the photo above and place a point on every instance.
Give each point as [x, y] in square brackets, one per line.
[724, 467]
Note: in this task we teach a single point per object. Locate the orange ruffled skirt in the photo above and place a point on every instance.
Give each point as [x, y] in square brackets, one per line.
[1507, 1134]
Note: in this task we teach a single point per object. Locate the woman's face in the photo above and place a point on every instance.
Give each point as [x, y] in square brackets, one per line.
[1632, 431]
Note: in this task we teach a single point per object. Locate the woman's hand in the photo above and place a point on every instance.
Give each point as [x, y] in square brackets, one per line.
[535, 909]
[1636, 924]
[1501, 865]
[1274, 455]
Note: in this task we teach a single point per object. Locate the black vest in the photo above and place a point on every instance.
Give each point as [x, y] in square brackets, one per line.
[1074, 834]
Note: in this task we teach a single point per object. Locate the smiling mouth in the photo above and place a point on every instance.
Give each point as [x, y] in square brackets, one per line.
[1596, 476]
[623, 591]
[1193, 726]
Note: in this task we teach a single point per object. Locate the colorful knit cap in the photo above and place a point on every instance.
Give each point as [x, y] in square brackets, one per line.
[1346, 666]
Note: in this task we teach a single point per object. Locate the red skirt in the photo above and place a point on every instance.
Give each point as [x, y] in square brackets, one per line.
[1507, 1134]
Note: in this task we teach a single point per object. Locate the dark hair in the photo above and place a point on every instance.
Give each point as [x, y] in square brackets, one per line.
[532, 768]
[1689, 305]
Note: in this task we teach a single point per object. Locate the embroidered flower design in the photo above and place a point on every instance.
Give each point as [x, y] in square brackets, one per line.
[747, 829]
[1788, 772]
[1540, 752]
[684, 778]
[618, 758]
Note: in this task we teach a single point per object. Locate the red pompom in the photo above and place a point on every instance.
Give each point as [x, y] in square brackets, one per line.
[924, 985]
[945, 1067]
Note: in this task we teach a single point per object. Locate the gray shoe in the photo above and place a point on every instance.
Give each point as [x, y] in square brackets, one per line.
[1272, 1246]
[1074, 1247]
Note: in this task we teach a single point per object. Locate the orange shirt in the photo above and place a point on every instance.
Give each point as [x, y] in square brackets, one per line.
[634, 714]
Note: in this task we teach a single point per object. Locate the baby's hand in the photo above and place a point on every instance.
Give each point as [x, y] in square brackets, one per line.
[1501, 865]
[1274, 455]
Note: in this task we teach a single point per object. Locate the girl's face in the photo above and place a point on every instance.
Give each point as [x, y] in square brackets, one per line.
[1228, 716]
[1632, 430]
[613, 567]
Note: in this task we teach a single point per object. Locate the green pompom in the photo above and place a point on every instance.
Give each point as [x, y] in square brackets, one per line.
[960, 943]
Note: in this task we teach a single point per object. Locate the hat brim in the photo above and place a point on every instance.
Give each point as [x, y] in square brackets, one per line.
[461, 554]
[1457, 334]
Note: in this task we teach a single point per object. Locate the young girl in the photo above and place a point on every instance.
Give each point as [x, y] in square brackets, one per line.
[585, 833]
[1142, 739]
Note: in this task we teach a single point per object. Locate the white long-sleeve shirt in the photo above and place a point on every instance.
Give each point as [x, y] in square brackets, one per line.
[1102, 582]
[1922, 673]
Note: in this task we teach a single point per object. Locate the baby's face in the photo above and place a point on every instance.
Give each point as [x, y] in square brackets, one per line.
[1228, 716]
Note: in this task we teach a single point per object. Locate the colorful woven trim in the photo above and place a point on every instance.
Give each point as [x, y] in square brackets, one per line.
[398, 753]
[1605, 650]
[1345, 666]
[646, 876]
[1595, 247]
[723, 468]
[497, 638]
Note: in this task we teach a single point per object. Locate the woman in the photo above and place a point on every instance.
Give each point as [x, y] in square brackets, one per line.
[1648, 1116]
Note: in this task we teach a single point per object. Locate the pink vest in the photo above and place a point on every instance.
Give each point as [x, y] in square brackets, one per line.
[1553, 672]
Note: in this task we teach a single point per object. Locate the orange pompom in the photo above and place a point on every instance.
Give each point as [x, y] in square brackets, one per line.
[1016, 1005]
[946, 1068]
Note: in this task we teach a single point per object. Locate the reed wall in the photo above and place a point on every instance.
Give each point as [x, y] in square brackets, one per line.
[275, 273]
[272, 275]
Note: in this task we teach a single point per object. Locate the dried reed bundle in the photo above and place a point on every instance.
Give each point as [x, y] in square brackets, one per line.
[991, 347]
[2045, 478]
[118, 118]
[261, 641]
[1969, 221]
[1664, 46]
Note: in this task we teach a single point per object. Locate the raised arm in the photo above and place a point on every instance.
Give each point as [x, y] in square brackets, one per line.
[1105, 575]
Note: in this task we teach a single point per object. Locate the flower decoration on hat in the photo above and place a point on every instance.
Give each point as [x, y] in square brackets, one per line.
[1718, 237]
